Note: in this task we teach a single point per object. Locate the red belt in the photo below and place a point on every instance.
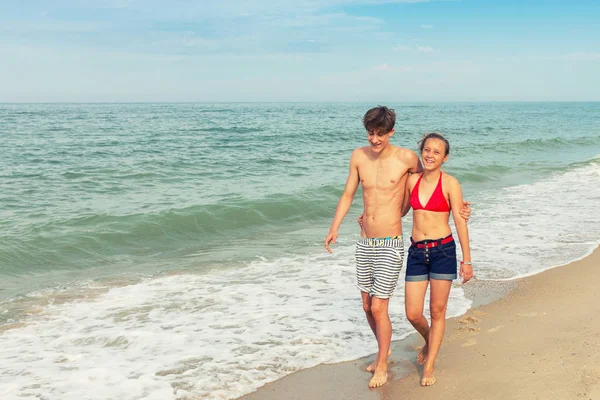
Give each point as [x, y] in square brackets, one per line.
[433, 243]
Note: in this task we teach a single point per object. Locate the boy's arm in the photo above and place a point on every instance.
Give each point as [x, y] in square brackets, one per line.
[456, 198]
[345, 201]
[465, 211]
[406, 201]
[414, 167]
[413, 162]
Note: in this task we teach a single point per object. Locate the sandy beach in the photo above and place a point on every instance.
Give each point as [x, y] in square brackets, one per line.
[541, 340]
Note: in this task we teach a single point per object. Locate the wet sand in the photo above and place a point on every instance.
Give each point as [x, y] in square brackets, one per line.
[532, 338]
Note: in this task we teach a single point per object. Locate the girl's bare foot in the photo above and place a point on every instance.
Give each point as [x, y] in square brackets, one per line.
[428, 378]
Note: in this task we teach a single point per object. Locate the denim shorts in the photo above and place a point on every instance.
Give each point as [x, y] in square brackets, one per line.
[437, 262]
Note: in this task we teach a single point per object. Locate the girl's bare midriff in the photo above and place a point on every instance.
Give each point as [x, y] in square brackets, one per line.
[430, 225]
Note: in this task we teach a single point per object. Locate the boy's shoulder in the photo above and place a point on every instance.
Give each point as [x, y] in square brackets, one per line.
[360, 151]
[404, 154]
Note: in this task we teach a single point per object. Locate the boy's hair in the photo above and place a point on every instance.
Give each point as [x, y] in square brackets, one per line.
[434, 135]
[379, 120]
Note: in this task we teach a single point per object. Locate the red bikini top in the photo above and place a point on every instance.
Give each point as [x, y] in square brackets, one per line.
[437, 202]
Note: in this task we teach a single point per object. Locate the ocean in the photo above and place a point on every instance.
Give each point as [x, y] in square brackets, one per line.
[175, 251]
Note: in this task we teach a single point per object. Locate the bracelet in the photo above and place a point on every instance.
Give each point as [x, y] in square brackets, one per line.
[466, 262]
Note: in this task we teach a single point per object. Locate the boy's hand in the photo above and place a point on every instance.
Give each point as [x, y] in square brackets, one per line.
[360, 220]
[465, 212]
[331, 238]
[466, 272]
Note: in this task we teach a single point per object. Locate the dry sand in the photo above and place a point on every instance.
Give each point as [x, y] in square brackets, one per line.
[539, 341]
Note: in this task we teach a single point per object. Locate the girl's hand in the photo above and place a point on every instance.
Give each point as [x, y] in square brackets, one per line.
[466, 272]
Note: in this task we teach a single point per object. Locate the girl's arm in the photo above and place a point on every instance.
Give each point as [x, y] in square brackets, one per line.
[456, 203]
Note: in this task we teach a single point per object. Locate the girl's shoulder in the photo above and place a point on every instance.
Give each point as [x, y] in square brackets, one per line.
[449, 181]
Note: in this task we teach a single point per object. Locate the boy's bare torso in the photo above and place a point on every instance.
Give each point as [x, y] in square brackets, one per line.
[383, 180]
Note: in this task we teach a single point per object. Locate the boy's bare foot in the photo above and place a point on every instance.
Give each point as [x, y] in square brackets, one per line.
[422, 356]
[371, 368]
[428, 378]
[379, 379]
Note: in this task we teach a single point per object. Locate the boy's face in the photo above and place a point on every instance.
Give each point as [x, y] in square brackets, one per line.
[379, 139]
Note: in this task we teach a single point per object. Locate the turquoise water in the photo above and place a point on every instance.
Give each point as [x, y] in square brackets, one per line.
[227, 205]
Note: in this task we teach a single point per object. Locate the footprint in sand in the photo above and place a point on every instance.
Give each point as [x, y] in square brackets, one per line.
[531, 314]
[496, 329]
[468, 320]
[470, 343]
[467, 323]
[468, 329]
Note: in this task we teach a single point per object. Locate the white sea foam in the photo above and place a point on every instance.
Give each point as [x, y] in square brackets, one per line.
[522, 230]
[211, 336]
[225, 333]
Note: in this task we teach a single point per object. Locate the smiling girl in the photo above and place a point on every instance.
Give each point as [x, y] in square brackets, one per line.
[431, 260]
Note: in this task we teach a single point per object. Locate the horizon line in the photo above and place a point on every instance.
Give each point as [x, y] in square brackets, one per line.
[300, 101]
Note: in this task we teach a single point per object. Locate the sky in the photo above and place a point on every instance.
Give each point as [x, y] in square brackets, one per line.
[299, 50]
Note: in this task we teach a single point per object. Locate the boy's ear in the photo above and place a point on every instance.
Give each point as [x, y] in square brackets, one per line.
[392, 132]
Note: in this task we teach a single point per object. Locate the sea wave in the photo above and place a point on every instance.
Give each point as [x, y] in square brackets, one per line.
[86, 240]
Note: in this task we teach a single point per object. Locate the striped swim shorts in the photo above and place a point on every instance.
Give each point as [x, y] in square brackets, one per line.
[378, 265]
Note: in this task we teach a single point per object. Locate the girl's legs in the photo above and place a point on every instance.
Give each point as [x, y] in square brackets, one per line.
[414, 299]
[439, 293]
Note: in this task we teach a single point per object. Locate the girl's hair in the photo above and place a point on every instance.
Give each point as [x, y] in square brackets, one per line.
[434, 135]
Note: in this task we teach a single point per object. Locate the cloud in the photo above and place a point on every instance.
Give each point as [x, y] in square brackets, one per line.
[425, 49]
[388, 68]
[191, 9]
[580, 56]
[190, 40]
[425, 26]
[402, 47]
[188, 27]
[49, 27]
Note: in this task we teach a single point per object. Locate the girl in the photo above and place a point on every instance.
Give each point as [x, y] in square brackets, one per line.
[431, 260]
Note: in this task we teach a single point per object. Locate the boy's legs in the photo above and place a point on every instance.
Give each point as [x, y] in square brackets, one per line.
[383, 332]
[378, 265]
[364, 276]
[366, 300]
[387, 263]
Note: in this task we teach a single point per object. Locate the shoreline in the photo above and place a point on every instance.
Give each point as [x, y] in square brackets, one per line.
[528, 338]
